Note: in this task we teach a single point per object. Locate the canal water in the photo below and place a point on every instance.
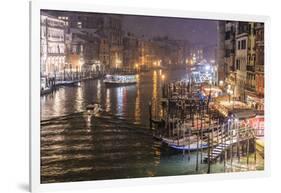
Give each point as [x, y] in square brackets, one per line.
[116, 143]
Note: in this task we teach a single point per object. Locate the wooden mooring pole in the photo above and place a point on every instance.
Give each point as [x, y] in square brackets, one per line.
[189, 142]
[231, 127]
[255, 150]
[248, 146]
[209, 155]
[238, 142]
[197, 152]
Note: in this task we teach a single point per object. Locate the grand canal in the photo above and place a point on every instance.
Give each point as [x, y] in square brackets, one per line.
[117, 143]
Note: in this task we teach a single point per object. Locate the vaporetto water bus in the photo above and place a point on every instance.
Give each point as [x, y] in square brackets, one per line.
[119, 80]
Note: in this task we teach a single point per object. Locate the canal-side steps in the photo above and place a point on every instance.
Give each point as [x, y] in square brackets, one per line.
[218, 150]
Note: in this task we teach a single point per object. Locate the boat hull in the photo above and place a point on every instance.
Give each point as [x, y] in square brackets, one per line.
[182, 144]
[120, 80]
[193, 147]
[113, 84]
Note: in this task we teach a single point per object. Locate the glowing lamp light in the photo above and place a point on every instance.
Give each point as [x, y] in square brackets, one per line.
[163, 77]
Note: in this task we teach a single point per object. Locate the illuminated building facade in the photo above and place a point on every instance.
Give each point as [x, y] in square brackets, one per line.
[241, 60]
[52, 46]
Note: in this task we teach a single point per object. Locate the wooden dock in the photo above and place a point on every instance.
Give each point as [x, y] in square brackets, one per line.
[189, 123]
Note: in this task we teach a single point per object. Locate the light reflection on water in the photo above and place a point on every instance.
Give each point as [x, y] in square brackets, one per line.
[76, 147]
[98, 91]
[79, 99]
[107, 104]
[120, 98]
[129, 101]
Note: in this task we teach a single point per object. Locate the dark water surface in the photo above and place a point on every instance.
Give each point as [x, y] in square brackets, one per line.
[117, 143]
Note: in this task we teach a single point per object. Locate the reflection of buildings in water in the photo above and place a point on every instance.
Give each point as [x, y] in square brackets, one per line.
[154, 93]
[107, 102]
[156, 107]
[89, 121]
[79, 99]
[98, 91]
[88, 118]
[137, 106]
[137, 102]
[58, 103]
[154, 79]
[120, 100]
[125, 98]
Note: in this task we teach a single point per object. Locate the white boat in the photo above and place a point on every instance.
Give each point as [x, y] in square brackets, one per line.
[116, 80]
[185, 144]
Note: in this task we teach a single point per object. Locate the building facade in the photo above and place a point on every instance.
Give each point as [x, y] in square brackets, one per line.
[112, 29]
[240, 60]
[259, 66]
[52, 46]
[130, 51]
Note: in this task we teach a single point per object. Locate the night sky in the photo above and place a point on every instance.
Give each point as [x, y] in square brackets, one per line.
[194, 30]
[197, 31]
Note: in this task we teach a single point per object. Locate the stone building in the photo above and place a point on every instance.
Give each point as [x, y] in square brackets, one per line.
[130, 51]
[251, 60]
[172, 53]
[52, 46]
[241, 60]
[230, 46]
[259, 66]
[104, 51]
[74, 53]
[103, 34]
[111, 27]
